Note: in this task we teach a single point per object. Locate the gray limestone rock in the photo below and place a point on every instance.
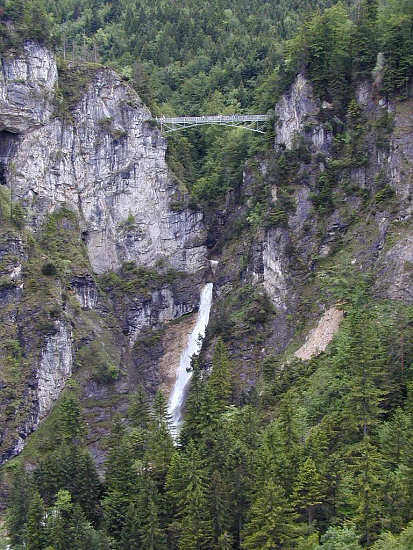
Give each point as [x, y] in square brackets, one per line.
[27, 84]
[296, 116]
[55, 367]
[108, 165]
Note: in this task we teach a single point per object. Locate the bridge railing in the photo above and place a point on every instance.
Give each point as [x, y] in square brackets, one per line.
[212, 119]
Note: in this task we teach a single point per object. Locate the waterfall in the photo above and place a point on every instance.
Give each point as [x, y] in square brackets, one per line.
[193, 347]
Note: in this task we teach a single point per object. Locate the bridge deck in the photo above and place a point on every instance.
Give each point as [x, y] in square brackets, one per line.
[212, 119]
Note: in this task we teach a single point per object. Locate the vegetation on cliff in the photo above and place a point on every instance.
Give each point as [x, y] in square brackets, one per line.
[318, 455]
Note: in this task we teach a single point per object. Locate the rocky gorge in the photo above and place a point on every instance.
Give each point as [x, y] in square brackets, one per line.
[101, 256]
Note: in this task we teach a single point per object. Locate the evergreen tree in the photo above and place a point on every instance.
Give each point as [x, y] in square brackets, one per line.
[272, 522]
[152, 536]
[160, 444]
[70, 423]
[220, 378]
[220, 508]
[196, 533]
[115, 508]
[130, 536]
[309, 490]
[339, 538]
[60, 521]
[191, 428]
[119, 463]
[139, 411]
[35, 536]
[364, 360]
[18, 501]
[367, 490]
[364, 46]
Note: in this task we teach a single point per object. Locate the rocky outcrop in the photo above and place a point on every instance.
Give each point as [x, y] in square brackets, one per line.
[27, 84]
[296, 116]
[394, 270]
[339, 206]
[85, 291]
[55, 368]
[276, 273]
[108, 165]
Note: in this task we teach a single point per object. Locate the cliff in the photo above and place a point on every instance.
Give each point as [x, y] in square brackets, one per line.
[92, 254]
[334, 196]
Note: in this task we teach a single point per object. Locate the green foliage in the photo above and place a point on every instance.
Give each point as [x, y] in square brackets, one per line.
[49, 269]
[319, 446]
[271, 522]
[95, 358]
[31, 21]
[396, 43]
[323, 47]
[220, 378]
[133, 279]
[339, 538]
[35, 536]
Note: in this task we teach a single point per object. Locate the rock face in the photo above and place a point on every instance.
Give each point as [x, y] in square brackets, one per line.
[109, 167]
[103, 161]
[55, 367]
[296, 117]
[338, 208]
[27, 84]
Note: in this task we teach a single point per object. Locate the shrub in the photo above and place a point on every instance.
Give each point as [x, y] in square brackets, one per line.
[49, 269]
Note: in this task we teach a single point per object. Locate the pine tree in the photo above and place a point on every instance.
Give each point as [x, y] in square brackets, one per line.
[18, 504]
[119, 474]
[339, 538]
[191, 428]
[220, 378]
[220, 509]
[152, 536]
[196, 531]
[71, 427]
[364, 44]
[367, 490]
[225, 541]
[364, 359]
[35, 536]
[160, 444]
[309, 489]
[272, 522]
[70, 468]
[175, 484]
[130, 536]
[59, 521]
[139, 410]
[115, 507]
[406, 466]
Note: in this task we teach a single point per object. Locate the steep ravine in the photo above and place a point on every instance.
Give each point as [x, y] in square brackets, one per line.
[95, 264]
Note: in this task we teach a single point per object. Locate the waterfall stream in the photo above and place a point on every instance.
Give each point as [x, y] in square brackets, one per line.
[193, 346]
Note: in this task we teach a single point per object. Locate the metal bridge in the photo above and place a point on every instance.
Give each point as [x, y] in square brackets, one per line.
[254, 123]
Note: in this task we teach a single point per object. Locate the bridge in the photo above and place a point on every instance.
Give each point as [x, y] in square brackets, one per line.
[254, 123]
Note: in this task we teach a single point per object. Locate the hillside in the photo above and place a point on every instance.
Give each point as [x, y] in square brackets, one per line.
[298, 427]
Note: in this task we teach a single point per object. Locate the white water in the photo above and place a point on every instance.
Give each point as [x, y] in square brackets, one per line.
[193, 347]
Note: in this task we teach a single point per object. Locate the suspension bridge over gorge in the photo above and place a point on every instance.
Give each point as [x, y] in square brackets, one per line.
[254, 123]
